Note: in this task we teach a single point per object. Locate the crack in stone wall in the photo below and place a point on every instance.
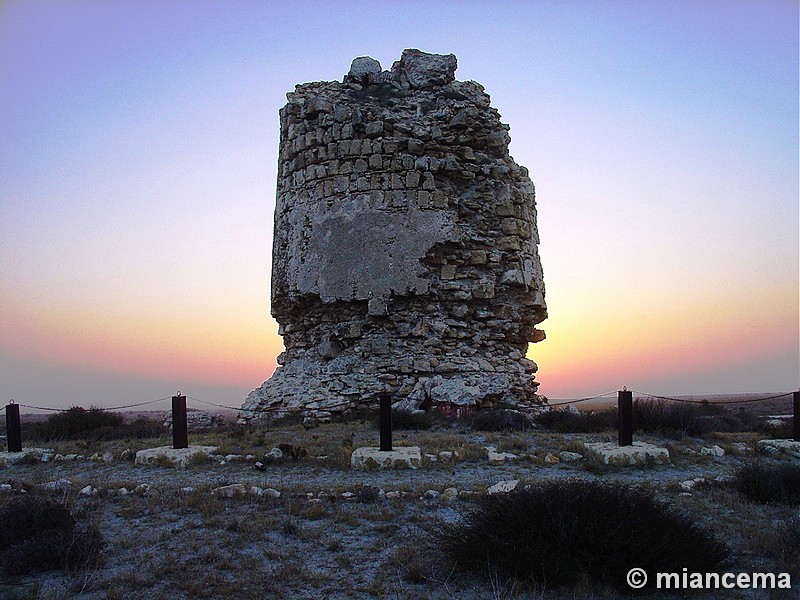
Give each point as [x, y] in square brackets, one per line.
[405, 255]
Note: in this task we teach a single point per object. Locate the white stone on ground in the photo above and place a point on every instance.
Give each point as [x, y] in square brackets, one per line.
[503, 487]
[714, 450]
[88, 491]
[640, 453]
[450, 494]
[12, 458]
[231, 491]
[790, 447]
[406, 457]
[496, 458]
[179, 457]
[568, 457]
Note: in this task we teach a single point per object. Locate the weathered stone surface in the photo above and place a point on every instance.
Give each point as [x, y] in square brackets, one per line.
[362, 67]
[12, 458]
[405, 257]
[638, 454]
[503, 487]
[714, 450]
[790, 447]
[235, 490]
[569, 457]
[364, 458]
[496, 457]
[178, 457]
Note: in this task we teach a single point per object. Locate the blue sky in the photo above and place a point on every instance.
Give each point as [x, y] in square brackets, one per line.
[138, 146]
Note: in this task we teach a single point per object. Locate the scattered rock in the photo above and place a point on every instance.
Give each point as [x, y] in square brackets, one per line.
[551, 459]
[59, 485]
[272, 493]
[503, 487]
[790, 447]
[430, 495]
[569, 457]
[235, 490]
[273, 455]
[88, 491]
[450, 494]
[690, 484]
[638, 454]
[5, 487]
[445, 456]
[714, 450]
[178, 457]
[496, 457]
[408, 457]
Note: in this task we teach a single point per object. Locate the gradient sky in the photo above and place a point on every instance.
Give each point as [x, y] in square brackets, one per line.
[138, 151]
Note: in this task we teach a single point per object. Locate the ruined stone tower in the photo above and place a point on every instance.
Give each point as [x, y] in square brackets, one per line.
[405, 256]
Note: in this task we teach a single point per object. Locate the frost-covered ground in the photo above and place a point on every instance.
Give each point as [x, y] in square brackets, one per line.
[338, 533]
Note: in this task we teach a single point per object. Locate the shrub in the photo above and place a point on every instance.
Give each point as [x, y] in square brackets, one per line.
[499, 420]
[77, 422]
[570, 421]
[416, 421]
[38, 534]
[563, 532]
[769, 483]
[661, 416]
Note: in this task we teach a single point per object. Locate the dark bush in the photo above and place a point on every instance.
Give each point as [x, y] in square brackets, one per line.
[671, 418]
[94, 424]
[38, 534]
[405, 419]
[569, 421]
[563, 532]
[499, 419]
[76, 422]
[769, 483]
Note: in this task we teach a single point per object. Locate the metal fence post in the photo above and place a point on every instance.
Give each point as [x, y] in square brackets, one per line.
[796, 419]
[13, 429]
[386, 422]
[625, 417]
[180, 433]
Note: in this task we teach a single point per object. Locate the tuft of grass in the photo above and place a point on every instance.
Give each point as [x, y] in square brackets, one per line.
[769, 483]
[568, 531]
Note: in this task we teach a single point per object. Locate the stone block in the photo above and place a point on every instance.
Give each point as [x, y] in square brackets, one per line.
[364, 458]
[503, 487]
[178, 457]
[638, 454]
[790, 447]
[12, 458]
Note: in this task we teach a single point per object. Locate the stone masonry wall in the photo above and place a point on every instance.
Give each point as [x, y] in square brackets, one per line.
[405, 255]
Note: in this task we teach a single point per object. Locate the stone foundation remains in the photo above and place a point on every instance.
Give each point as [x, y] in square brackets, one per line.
[405, 256]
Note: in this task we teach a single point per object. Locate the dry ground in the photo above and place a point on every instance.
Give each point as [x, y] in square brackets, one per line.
[315, 541]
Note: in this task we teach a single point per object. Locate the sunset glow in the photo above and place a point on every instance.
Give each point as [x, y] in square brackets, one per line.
[138, 152]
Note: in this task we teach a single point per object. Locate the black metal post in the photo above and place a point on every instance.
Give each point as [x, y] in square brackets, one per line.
[13, 429]
[180, 433]
[796, 418]
[386, 422]
[625, 417]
